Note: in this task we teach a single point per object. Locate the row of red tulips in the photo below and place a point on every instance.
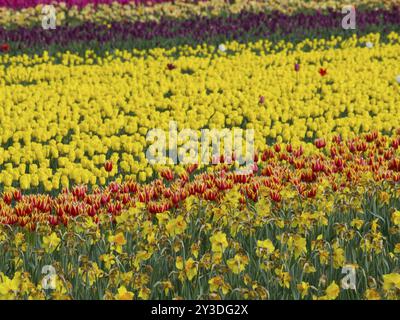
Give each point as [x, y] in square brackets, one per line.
[343, 165]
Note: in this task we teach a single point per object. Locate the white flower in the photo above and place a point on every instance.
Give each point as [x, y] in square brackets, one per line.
[369, 45]
[222, 47]
[398, 79]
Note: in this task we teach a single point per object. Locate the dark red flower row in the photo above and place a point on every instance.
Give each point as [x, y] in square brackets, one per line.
[343, 165]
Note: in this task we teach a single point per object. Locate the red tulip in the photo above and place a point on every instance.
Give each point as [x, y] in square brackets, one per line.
[108, 166]
[7, 197]
[323, 72]
[312, 193]
[337, 139]
[371, 136]
[53, 220]
[395, 143]
[175, 198]
[167, 174]
[5, 47]
[17, 195]
[171, 66]
[275, 196]
[320, 143]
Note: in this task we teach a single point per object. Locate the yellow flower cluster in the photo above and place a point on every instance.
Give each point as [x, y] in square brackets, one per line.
[180, 9]
[62, 117]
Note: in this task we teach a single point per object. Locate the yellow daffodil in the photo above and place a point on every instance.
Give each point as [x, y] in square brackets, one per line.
[303, 288]
[218, 242]
[51, 242]
[238, 263]
[124, 294]
[117, 241]
[264, 248]
[176, 226]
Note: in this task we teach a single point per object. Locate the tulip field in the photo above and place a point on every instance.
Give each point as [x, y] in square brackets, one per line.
[84, 214]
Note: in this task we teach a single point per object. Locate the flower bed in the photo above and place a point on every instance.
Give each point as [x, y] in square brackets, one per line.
[80, 197]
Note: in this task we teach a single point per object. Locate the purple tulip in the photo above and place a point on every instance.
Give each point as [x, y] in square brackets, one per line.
[198, 29]
[19, 4]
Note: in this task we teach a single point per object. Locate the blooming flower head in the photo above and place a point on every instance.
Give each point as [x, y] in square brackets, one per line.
[323, 72]
[222, 47]
[108, 260]
[264, 248]
[218, 242]
[284, 278]
[167, 286]
[396, 218]
[9, 287]
[51, 242]
[19, 240]
[238, 263]
[332, 292]
[108, 166]
[391, 281]
[117, 241]
[171, 66]
[5, 47]
[179, 263]
[338, 256]
[144, 293]
[372, 294]
[124, 294]
[303, 288]
[217, 283]
[176, 226]
[320, 143]
[298, 244]
[190, 268]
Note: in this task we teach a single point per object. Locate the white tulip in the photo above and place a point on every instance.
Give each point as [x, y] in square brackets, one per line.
[222, 48]
[369, 45]
[398, 79]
